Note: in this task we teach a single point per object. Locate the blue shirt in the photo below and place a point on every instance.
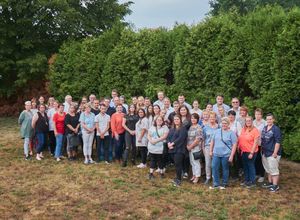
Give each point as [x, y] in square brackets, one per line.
[215, 108]
[89, 120]
[220, 148]
[207, 134]
[268, 140]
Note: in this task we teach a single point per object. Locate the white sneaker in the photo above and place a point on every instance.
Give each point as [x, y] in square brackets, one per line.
[157, 171]
[260, 179]
[38, 157]
[91, 161]
[58, 159]
[86, 162]
[106, 162]
[140, 165]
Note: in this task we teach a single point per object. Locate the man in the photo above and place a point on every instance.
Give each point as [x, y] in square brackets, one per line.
[147, 102]
[95, 108]
[114, 93]
[171, 115]
[122, 100]
[134, 100]
[109, 110]
[271, 148]
[220, 102]
[160, 101]
[92, 98]
[117, 102]
[181, 101]
[168, 107]
[235, 103]
[67, 103]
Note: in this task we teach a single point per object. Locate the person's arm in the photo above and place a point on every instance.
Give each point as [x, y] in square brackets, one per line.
[256, 139]
[54, 124]
[107, 127]
[34, 120]
[182, 135]
[150, 138]
[211, 147]
[21, 118]
[277, 135]
[125, 127]
[164, 137]
[97, 125]
[233, 138]
[196, 142]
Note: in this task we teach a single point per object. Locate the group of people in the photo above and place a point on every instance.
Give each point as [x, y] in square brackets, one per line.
[220, 139]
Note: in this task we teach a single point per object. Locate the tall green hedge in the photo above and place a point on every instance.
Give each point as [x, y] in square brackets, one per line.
[254, 57]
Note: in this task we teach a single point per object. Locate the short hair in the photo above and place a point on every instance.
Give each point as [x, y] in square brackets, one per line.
[244, 108]
[259, 110]
[156, 105]
[116, 91]
[161, 92]
[231, 112]
[167, 98]
[27, 103]
[195, 116]
[119, 105]
[175, 103]
[60, 104]
[68, 96]
[213, 114]
[102, 105]
[220, 95]
[225, 119]
[87, 105]
[270, 114]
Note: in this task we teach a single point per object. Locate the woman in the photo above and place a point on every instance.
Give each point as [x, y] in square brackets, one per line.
[150, 115]
[59, 130]
[156, 112]
[194, 144]
[87, 122]
[248, 145]
[185, 117]
[128, 124]
[40, 125]
[259, 123]
[52, 139]
[34, 108]
[209, 107]
[235, 126]
[50, 103]
[205, 118]
[208, 132]
[25, 120]
[140, 103]
[177, 141]
[222, 149]
[221, 113]
[243, 115]
[141, 128]
[118, 131]
[156, 136]
[72, 129]
[196, 108]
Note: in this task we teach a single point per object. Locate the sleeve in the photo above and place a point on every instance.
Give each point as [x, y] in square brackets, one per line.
[108, 118]
[54, 118]
[96, 119]
[67, 119]
[144, 123]
[239, 128]
[112, 124]
[199, 134]
[233, 138]
[277, 135]
[256, 133]
[21, 118]
[81, 117]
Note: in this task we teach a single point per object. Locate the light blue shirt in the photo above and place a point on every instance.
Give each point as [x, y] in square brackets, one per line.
[215, 108]
[89, 120]
[220, 148]
[208, 134]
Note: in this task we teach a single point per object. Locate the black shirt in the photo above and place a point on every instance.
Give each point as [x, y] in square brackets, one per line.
[71, 120]
[179, 137]
[131, 120]
[95, 111]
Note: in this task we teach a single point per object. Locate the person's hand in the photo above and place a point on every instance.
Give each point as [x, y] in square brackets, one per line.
[230, 159]
[188, 147]
[102, 135]
[210, 153]
[117, 136]
[274, 155]
[76, 131]
[170, 145]
[140, 140]
[55, 133]
[132, 132]
[250, 156]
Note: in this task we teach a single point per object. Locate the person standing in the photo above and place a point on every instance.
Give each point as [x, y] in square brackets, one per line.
[40, 124]
[25, 120]
[220, 102]
[87, 122]
[196, 108]
[59, 130]
[222, 149]
[259, 123]
[160, 101]
[52, 139]
[141, 128]
[271, 148]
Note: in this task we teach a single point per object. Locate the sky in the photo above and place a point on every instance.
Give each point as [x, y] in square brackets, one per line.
[157, 13]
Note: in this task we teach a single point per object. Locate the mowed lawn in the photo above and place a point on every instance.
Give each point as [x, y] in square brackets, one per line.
[71, 190]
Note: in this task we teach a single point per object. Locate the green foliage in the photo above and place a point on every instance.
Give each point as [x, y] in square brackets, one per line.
[254, 57]
[31, 31]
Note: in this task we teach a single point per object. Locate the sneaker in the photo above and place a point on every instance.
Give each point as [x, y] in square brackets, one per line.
[222, 187]
[58, 159]
[41, 155]
[243, 183]
[27, 157]
[251, 185]
[274, 188]
[124, 164]
[38, 157]
[106, 162]
[151, 176]
[91, 161]
[267, 185]
[260, 179]
[206, 182]
[86, 162]
[164, 170]
[158, 171]
[214, 187]
[140, 165]
[176, 183]
[196, 180]
[185, 176]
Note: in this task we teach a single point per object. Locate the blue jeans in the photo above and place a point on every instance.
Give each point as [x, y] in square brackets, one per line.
[249, 167]
[59, 141]
[119, 146]
[216, 163]
[41, 141]
[103, 146]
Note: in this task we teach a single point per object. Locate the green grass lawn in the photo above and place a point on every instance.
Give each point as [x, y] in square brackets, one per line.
[71, 190]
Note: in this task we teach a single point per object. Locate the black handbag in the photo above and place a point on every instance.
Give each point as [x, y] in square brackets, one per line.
[73, 140]
[197, 155]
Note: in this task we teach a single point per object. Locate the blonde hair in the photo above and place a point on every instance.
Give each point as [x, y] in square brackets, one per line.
[213, 114]
[252, 126]
[226, 120]
[27, 103]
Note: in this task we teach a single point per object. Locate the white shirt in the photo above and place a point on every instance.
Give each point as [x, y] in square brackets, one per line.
[102, 120]
[50, 114]
[66, 107]
[159, 103]
[199, 112]
[139, 126]
[158, 147]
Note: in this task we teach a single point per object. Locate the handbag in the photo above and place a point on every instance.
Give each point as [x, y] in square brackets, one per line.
[165, 144]
[197, 155]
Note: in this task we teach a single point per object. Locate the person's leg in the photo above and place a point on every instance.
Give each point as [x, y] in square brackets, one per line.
[251, 168]
[178, 159]
[58, 145]
[127, 148]
[153, 162]
[26, 147]
[245, 166]
[106, 148]
[216, 170]
[144, 154]
[85, 146]
[98, 148]
[52, 143]
[207, 163]
[111, 147]
[196, 166]
[260, 171]
[225, 170]
[186, 164]
[40, 144]
[274, 167]
[90, 145]
[133, 150]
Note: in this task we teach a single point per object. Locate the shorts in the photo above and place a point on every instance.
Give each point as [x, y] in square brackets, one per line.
[271, 164]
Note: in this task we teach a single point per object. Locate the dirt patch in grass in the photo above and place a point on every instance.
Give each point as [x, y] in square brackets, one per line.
[71, 190]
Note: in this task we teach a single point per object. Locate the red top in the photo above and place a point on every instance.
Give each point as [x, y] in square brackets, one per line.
[59, 122]
[116, 123]
[246, 139]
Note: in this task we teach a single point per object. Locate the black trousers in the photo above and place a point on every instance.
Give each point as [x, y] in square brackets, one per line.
[52, 142]
[156, 159]
[178, 161]
[130, 147]
[260, 170]
[143, 152]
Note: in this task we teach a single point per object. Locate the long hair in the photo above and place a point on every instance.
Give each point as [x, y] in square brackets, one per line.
[188, 114]
[173, 124]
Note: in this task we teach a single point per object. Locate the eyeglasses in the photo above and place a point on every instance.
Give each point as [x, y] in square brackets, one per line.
[234, 102]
